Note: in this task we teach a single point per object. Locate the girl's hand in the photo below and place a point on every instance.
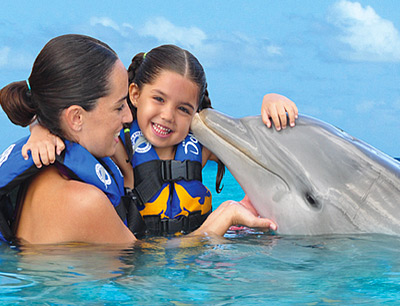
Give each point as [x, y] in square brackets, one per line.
[277, 108]
[43, 146]
[232, 213]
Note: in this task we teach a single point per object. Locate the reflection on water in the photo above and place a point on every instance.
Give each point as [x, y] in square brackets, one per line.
[245, 269]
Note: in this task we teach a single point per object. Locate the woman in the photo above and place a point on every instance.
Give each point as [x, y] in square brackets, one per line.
[78, 89]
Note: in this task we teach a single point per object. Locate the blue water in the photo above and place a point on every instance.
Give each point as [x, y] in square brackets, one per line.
[243, 268]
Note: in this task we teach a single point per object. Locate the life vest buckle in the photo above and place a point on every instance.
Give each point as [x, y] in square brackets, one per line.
[174, 170]
[171, 226]
[182, 224]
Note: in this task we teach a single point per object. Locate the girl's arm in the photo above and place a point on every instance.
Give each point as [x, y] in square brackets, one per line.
[278, 108]
[43, 146]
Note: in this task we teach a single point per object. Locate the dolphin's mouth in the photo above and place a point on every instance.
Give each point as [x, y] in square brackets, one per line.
[221, 129]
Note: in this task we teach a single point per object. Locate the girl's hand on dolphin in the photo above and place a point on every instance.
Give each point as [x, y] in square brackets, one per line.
[43, 146]
[232, 213]
[278, 108]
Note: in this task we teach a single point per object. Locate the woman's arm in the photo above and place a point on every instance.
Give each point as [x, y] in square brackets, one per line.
[120, 158]
[232, 213]
[208, 155]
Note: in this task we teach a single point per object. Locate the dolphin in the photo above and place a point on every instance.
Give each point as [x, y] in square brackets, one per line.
[313, 179]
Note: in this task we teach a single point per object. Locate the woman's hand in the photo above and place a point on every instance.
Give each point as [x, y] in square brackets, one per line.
[277, 108]
[43, 146]
[232, 213]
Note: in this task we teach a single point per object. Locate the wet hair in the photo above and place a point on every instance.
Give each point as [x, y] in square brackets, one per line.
[70, 70]
[146, 67]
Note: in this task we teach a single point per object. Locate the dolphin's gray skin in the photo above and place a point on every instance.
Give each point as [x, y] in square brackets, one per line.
[311, 179]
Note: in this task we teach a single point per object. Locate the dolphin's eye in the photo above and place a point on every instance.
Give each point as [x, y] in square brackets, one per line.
[312, 201]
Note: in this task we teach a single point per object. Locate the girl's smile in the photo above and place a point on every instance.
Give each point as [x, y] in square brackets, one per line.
[160, 130]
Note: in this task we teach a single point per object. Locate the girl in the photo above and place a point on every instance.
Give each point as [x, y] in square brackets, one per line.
[167, 86]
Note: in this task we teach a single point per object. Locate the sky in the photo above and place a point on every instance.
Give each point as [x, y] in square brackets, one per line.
[337, 60]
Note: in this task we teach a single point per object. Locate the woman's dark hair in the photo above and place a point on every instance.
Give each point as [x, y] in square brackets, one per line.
[146, 67]
[69, 70]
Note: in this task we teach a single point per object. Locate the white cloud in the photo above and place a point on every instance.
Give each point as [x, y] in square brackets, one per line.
[367, 106]
[105, 22]
[368, 36]
[396, 105]
[165, 31]
[109, 23]
[127, 25]
[4, 52]
[274, 50]
[15, 58]
[254, 46]
[213, 49]
[253, 52]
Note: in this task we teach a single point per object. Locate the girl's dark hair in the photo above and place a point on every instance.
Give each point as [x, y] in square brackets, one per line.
[69, 70]
[146, 67]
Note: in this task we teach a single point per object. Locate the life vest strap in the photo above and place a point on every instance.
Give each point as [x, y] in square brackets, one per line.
[151, 175]
[130, 212]
[6, 233]
[182, 224]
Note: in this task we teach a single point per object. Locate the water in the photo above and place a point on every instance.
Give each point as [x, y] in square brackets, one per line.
[243, 268]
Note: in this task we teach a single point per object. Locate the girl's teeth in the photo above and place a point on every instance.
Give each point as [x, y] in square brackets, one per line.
[161, 130]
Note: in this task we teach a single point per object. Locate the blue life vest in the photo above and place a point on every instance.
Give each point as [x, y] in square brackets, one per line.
[79, 165]
[173, 188]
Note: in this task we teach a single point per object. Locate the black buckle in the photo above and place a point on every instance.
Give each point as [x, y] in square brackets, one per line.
[174, 170]
[182, 224]
[172, 226]
[129, 193]
[134, 195]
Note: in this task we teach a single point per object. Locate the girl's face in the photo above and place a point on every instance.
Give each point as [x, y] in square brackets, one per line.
[165, 110]
[101, 126]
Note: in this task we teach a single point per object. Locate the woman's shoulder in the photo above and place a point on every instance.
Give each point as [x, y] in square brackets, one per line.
[89, 216]
[51, 184]
[74, 210]
[57, 209]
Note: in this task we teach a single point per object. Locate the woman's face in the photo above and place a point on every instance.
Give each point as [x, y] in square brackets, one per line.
[101, 126]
